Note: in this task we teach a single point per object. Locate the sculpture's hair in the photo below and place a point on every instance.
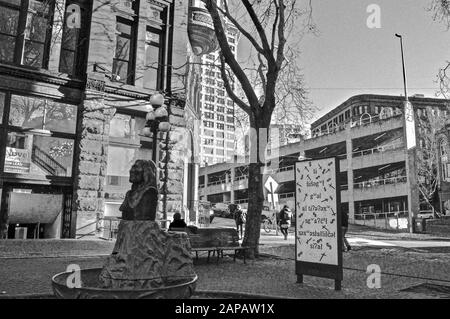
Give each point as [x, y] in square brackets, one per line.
[149, 172]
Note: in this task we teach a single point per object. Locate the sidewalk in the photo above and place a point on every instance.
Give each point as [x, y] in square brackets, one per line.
[27, 268]
[383, 234]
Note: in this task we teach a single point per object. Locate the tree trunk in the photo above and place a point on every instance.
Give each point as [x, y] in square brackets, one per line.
[255, 190]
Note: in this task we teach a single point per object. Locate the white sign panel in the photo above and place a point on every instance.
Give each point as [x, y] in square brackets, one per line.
[271, 184]
[316, 206]
[17, 160]
[410, 126]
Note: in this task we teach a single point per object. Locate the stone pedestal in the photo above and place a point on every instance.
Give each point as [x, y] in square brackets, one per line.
[146, 257]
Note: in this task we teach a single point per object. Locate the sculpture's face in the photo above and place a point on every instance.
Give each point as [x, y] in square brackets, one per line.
[136, 174]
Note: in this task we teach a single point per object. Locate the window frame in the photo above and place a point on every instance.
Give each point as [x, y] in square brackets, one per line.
[161, 58]
[5, 129]
[132, 54]
[82, 41]
[19, 45]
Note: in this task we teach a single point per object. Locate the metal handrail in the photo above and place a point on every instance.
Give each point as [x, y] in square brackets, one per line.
[380, 149]
[217, 183]
[360, 122]
[382, 182]
[241, 201]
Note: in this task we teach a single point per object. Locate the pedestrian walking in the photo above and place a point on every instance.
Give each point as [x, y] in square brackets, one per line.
[285, 221]
[346, 244]
[239, 218]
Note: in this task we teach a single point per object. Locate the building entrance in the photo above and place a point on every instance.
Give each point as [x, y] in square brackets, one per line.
[36, 211]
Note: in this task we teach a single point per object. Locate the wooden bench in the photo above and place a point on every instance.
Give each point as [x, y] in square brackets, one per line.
[213, 240]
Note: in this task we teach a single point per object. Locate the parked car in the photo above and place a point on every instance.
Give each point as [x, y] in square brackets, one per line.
[220, 210]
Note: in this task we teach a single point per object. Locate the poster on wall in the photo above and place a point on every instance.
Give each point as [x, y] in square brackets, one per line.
[318, 220]
[17, 161]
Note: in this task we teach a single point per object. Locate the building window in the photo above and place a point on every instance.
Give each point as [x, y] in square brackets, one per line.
[74, 42]
[220, 109]
[208, 124]
[209, 90]
[230, 111]
[40, 137]
[208, 141]
[208, 151]
[33, 19]
[230, 119]
[42, 114]
[220, 92]
[209, 107]
[220, 117]
[208, 133]
[221, 101]
[209, 98]
[209, 115]
[220, 134]
[124, 54]
[230, 128]
[220, 126]
[154, 53]
[220, 143]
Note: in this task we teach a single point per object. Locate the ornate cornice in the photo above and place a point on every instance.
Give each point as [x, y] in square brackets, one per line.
[41, 76]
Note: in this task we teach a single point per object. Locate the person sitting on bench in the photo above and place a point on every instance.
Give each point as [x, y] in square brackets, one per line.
[177, 222]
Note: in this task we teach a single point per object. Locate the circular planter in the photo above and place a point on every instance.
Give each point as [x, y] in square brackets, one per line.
[174, 288]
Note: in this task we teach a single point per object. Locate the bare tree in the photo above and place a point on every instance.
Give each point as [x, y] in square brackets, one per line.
[430, 125]
[270, 27]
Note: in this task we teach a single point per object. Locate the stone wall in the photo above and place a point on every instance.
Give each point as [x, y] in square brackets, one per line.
[438, 227]
[91, 157]
[171, 162]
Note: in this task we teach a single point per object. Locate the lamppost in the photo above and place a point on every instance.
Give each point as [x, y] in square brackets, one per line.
[157, 121]
[409, 132]
[403, 65]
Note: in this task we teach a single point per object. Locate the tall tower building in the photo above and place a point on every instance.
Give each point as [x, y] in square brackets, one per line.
[217, 109]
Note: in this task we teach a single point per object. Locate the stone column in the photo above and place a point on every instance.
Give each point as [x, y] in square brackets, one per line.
[351, 201]
[91, 157]
[171, 161]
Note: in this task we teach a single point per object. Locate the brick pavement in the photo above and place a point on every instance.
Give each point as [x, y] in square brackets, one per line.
[269, 276]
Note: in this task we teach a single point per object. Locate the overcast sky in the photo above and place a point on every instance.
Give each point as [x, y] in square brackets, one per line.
[348, 58]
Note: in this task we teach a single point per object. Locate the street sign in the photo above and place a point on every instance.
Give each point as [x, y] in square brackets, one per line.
[318, 226]
[271, 185]
[273, 198]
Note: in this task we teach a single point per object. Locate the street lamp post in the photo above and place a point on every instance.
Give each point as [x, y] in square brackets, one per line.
[157, 121]
[403, 65]
[410, 138]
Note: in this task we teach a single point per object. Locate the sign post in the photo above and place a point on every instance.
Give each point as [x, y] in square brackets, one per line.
[318, 231]
[271, 185]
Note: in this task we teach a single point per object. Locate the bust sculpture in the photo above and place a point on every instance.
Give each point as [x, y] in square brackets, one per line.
[141, 201]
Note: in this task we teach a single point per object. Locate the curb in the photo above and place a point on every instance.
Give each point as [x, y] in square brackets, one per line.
[54, 256]
[198, 293]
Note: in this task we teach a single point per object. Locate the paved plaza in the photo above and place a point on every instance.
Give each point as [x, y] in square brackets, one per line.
[27, 268]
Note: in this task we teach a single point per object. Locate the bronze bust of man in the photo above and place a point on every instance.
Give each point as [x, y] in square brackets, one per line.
[141, 201]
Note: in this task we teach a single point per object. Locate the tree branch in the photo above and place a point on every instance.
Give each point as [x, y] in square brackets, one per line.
[241, 29]
[229, 88]
[229, 58]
